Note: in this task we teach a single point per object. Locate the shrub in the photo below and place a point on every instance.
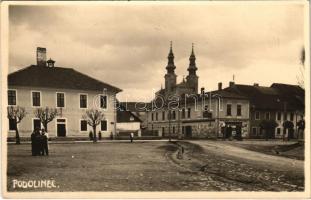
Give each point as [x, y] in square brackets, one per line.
[288, 125]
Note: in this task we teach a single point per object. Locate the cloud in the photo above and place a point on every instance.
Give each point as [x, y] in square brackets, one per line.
[127, 45]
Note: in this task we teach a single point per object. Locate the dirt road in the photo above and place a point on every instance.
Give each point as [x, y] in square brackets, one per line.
[233, 168]
[152, 166]
[268, 161]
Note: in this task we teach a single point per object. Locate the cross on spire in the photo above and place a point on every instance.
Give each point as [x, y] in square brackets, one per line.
[170, 64]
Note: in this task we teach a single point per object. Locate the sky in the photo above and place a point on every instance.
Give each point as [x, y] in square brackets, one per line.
[126, 45]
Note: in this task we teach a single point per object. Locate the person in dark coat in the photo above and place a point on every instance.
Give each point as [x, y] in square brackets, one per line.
[36, 142]
[33, 145]
[44, 141]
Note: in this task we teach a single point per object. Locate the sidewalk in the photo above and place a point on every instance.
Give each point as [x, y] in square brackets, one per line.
[98, 141]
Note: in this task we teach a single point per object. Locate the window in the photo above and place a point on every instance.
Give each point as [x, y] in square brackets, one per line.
[278, 131]
[238, 110]
[83, 101]
[228, 109]
[60, 100]
[103, 101]
[291, 116]
[206, 108]
[11, 97]
[257, 115]
[183, 113]
[156, 116]
[254, 130]
[103, 125]
[278, 116]
[267, 115]
[83, 125]
[36, 99]
[163, 130]
[173, 115]
[36, 124]
[173, 129]
[285, 116]
[189, 112]
[163, 115]
[206, 112]
[12, 125]
[151, 116]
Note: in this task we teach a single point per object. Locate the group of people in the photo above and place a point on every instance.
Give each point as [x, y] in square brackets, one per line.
[39, 142]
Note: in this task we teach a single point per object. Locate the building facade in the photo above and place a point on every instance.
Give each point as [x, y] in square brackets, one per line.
[205, 115]
[279, 104]
[218, 114]
[127, 123]
[69, 91]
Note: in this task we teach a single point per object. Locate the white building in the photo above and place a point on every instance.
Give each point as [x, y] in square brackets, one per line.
[45, 85]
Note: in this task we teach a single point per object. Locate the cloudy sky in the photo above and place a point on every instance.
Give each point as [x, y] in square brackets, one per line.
[126, 45]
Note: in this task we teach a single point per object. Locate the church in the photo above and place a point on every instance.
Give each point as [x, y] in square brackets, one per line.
[180, 111]
[188, 86]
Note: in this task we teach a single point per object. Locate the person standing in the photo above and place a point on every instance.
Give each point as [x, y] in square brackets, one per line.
[33, 143]
[37, 141]
[44, 141]
[132, 136]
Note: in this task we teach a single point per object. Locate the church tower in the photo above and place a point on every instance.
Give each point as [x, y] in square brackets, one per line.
[192, 78]
[170, 76]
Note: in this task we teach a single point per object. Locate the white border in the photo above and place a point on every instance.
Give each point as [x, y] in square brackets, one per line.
[176, 195]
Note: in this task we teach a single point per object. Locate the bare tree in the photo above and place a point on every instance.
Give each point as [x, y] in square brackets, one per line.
[300, 76]
[93, 118]
[46, 115]
[16, 114]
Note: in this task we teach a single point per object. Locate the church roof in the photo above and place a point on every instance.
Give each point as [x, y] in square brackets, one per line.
[56, 77]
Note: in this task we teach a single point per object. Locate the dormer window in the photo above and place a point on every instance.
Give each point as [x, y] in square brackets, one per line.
[50, 63]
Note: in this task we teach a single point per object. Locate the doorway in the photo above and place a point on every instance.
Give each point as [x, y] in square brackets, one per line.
[188, 130]
[61, 127]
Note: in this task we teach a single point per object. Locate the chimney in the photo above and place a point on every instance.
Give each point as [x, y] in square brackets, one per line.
[220, 86]
[202, 91]
[256, 84]
[231, 83]
[41, 57]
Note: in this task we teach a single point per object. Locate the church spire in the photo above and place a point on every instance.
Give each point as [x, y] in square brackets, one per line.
[192, 65]
[170, 64]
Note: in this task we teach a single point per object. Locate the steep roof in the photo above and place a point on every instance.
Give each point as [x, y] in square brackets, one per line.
[267, 98]
[126, 116]
[293, 94]
[56, 77]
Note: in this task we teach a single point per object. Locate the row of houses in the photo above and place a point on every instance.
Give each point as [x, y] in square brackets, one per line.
[250, 111]
[241, 111]
[178, 110]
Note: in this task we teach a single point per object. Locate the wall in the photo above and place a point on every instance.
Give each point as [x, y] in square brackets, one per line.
[273, 116]
[71, 112]
[201, 128]
[128, 126]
